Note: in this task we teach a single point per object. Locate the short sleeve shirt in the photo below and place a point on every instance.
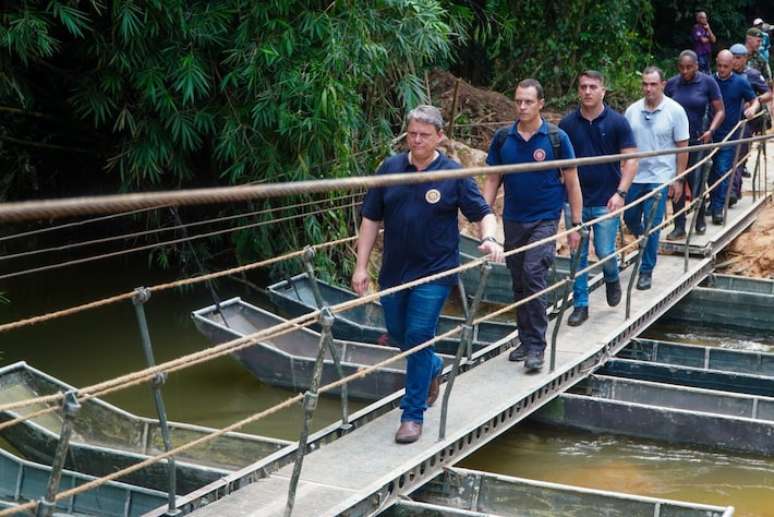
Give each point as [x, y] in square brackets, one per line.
[736, 90]
[699, 46]
[656, 130]
[609, 133]
[421, 228]
[756, 80]
[695, 96]
[535, 195]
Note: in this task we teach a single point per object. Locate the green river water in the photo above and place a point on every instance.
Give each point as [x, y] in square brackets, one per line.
[103, 343]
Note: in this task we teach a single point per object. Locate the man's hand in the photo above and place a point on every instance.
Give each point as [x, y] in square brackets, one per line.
[676, 191]
[493, 250]
[573, 240]
[706, 137]
[615, 202]
[360, 281]
[749, 113]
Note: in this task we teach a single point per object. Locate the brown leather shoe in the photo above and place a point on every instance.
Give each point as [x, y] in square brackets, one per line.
[408, 432]
[435, 389]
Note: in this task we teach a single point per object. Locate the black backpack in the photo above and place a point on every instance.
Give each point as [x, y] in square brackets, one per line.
[553, 135]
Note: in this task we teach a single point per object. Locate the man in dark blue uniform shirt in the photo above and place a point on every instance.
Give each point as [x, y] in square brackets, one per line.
[698, 94]
[597, 130]
[533, 204]
[421, 238]
[736, 90]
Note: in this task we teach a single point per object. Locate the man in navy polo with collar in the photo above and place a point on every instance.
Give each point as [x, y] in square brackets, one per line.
[421, 238]
[597, 130]
[533, 204]
[736, 90]
[658, 123]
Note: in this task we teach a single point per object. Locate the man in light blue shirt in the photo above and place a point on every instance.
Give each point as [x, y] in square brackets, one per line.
[658, 123]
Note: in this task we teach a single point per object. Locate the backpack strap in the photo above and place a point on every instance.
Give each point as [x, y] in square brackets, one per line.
[556, 142]
[499, 141]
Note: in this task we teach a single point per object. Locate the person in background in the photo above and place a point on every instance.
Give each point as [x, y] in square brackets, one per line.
[752, 41]
[763, 92]
[595, 129]
[421, 238]
[736, 90]
[765, 47]
[703, 38]
[531, 210]
[658, 123]
[698, 94]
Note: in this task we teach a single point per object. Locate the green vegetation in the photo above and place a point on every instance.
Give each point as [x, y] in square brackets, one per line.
[107, 95]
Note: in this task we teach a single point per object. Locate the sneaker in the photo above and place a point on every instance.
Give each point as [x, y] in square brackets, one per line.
[578, 316]
[534, 361]
[676, 234]
[518, 354]
[644, 281]
[701, 226]
[732, 201]
[613, 293]
[746, 173]
[717, 219]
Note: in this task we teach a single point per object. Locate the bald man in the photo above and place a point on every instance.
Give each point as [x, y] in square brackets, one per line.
[736, 91]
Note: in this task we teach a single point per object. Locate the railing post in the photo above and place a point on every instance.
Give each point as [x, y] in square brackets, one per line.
[70, 407]
[643, 242]
[699, 199]
[141, 296]
[308, 256]
[463, 296]
[310, 404]
[466, 343]
[755, 177]
[574, 260]
[733, 173]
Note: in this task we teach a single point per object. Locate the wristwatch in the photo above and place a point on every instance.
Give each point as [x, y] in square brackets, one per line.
[488, 238]
[621, 193]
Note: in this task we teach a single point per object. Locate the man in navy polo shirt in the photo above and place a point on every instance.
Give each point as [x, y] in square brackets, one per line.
[658, 123]
[698, 94]
[736, 90]
[421, 238]
[597, 130]
[533, 204]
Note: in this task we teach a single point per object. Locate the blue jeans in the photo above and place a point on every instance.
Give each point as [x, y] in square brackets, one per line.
[411, 317]
[636, 218]
[603, 235]
[724, 159]
[704, 63]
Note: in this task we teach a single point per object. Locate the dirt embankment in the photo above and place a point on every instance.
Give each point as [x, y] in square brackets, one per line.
[752, 253]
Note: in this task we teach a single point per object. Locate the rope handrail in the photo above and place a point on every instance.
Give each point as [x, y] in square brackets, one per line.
[155, 245]
[193, 224]
[97, 482]
[56, 208]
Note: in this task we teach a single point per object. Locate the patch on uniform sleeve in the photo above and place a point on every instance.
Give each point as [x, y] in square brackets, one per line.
[539, 155]
[432, 196]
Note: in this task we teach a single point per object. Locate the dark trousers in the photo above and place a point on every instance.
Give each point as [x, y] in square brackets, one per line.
[693, 179]
[529, 274]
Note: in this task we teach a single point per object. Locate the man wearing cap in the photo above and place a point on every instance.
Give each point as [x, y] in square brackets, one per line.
[765, 28]
[763, 92]
[421, 238]
[702, 38]
[533, 204]
[736, 90]
[755, 60]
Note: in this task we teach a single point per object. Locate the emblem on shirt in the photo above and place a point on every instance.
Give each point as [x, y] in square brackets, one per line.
[432, 196]
[539, 155]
